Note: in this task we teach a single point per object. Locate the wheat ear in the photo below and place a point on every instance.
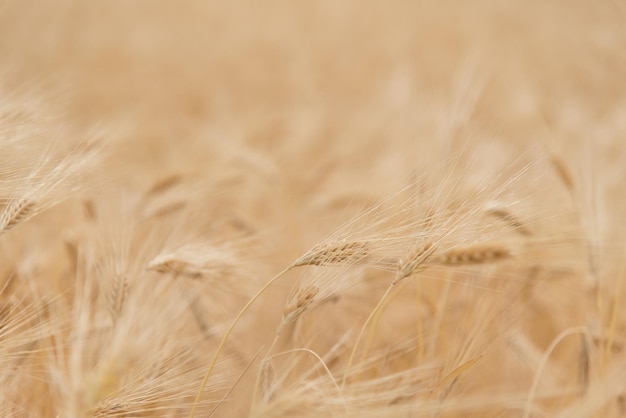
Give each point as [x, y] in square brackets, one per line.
[510, 219]
[328, 254]
[304, 300]
[15, 213]
[117, 296]
[564, 173]
[406, 267]
[473, 254]
[262, 373]
[164, 184]
[411, 264]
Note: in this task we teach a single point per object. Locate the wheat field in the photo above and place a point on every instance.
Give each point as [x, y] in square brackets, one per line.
[312, 209]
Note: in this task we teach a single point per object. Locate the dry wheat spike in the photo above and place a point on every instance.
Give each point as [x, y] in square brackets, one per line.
[327, 254]
[473, 254]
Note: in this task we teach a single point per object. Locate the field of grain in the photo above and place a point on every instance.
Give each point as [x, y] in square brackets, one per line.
[312, 209]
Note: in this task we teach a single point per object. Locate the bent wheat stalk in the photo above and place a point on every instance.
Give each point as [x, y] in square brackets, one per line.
[376, 320]
[232, 387]
[363, 328]
[544, 361]
[230, 329]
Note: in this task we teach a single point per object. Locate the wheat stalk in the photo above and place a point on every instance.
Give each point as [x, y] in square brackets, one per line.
[229, 331]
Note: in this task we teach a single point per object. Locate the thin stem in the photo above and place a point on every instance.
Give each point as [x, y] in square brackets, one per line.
[376, 320]
[317, 357]
[268, 357]
[226, 335]
[420, 322]
[363, 328]
[230, 390]
[544, 362]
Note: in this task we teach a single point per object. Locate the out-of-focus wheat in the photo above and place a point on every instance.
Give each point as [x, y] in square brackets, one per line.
[440, 188]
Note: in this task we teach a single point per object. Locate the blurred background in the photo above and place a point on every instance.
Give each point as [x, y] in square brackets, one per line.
[374, 85]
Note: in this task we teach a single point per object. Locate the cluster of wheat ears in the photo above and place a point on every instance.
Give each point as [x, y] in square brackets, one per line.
[314, 209]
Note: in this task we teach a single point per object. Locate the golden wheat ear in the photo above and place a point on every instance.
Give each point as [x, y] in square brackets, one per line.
[48, 182]
[303, 301]
[117, 295]
[509, 218]
[472, 254]
[412, 262]
[196, 261]
[333, 253]
[16, 212]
